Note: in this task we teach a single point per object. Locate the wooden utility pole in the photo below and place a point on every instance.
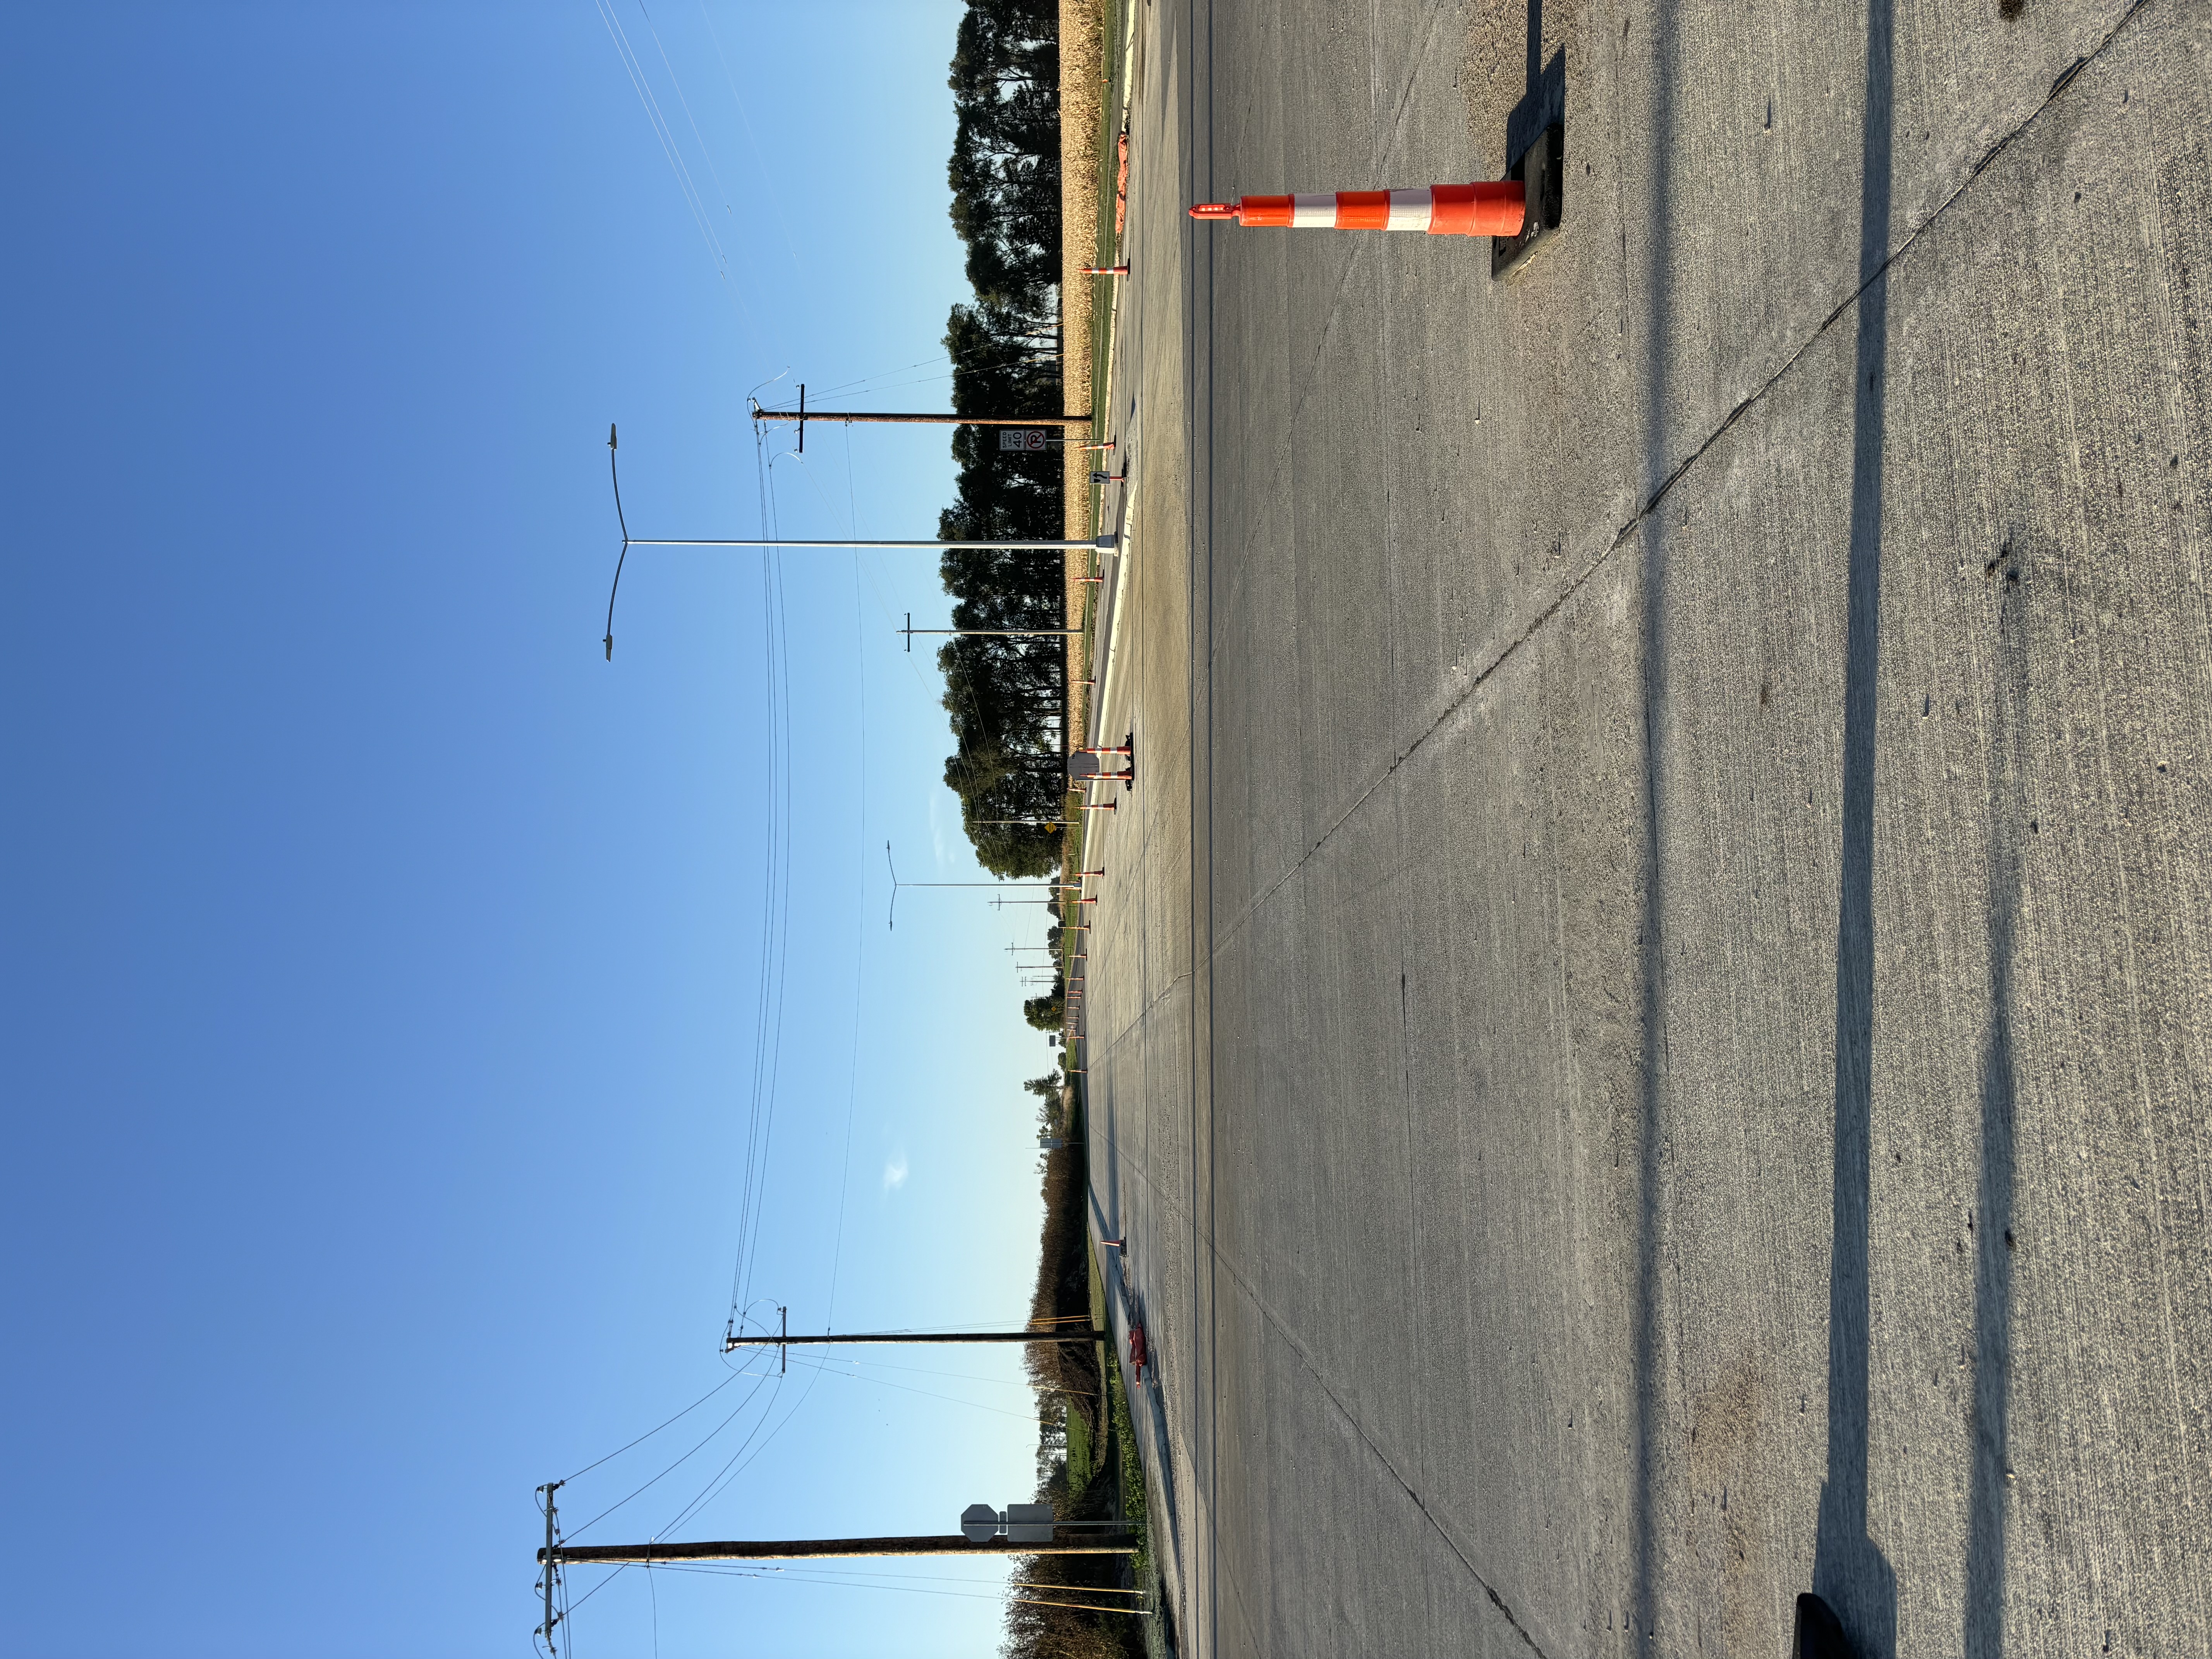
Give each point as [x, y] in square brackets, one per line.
[551, 1563]
[910, 631]
[1113, 1543]
[802, 414]
[732, 1342]
[923, 420]
[1093, 543]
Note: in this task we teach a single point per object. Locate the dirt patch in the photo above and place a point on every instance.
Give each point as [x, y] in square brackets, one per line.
[1082, 85]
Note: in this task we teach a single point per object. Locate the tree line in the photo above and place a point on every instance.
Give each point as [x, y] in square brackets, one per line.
[1007, 698]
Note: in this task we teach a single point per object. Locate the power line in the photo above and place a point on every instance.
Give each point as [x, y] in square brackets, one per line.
[649, 1433]
[822, 1367]
[680, 1462]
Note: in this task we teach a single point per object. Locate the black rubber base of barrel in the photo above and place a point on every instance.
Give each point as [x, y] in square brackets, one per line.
[1541, 169]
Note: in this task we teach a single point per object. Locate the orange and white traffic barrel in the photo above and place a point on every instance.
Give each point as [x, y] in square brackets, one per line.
[1476, 209]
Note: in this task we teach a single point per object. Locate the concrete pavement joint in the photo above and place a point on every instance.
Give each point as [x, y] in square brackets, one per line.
[1136, 1167]
[1143, 1013]
[1381, 1456]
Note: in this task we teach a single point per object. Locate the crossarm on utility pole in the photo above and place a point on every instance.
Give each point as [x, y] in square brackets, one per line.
[1115, 1543]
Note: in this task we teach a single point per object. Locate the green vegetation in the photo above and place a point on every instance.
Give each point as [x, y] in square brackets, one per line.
[1074, 1476]
[1048, 1012]
[1007, 697]
[1132, 1474]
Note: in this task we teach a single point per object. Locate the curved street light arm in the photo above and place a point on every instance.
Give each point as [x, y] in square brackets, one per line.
[615, 478]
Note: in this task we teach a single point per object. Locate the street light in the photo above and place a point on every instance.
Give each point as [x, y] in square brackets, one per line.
[892, 919]
[1094, 544]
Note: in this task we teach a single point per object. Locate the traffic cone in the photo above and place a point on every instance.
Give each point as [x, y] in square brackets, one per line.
[1477, 209]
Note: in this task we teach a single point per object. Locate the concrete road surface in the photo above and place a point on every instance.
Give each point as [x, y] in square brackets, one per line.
[1649, 1026]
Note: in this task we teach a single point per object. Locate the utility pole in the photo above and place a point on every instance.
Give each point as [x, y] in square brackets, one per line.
[795, 1549]
[552, 1561]
[910, 631]
[1020, 1529]
[1059, 885]
[1095, 544]
[802, 414]
[733, 1341]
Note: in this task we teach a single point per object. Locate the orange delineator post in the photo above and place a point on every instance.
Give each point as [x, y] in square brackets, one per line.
[1476, 209]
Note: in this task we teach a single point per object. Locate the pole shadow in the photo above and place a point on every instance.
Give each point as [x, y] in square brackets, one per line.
[1991, 1223]
[1544, 100]
[1642, 1613]
[1847, 1571]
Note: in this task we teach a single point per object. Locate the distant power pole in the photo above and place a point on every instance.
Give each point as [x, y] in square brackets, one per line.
[910, 631]
[802, 414]
[730, 1343]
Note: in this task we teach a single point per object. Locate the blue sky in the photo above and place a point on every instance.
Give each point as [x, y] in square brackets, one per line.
[384, 968]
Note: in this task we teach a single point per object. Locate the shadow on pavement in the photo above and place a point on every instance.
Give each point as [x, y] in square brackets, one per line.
[1847, 1571]
[1643, 1613]
[1991, 1223]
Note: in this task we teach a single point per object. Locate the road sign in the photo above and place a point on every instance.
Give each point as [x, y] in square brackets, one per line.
[1022, 1523]
[979, 1523]
[1026, 439]
[1029, 1523]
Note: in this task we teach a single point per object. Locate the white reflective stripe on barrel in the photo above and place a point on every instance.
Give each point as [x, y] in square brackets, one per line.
[1409, 209]
[1313, 212]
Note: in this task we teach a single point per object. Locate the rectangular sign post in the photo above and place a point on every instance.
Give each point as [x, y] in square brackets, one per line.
[1028, 440]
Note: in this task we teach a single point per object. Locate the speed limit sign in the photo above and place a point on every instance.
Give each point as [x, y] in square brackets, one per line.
[1026, 439]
